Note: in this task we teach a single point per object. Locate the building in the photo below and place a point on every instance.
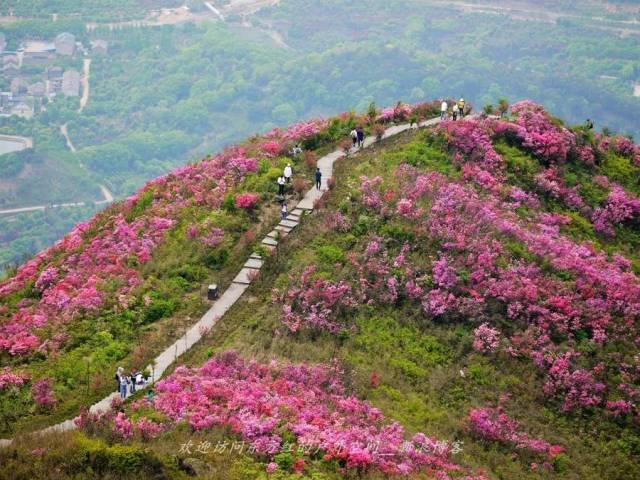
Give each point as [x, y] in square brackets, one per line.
[3, 43]
[65, 44]
[19, 86]
[71, 83]
[38, 53]
[37, 89]
[6, 99]
[54, 73]
[10, 70]
[22, 110]
[99, 47]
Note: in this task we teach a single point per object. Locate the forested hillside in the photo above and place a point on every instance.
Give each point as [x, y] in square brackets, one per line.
[166, 95]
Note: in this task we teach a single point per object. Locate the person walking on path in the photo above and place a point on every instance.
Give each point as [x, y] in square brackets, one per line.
[281, 186]
[461, 106]
[118, 376]
[455, 112]
[354, 136]
[288, 172]
[318, 178]
[124, 385]
[283, 210]
[360, 133]
[134, 380]
[444, 109]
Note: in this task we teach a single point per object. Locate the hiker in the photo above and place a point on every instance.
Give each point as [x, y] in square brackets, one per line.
[297, 150]
[288, 172]
[444, 108]
[360, 133]
[150, 395]
[318, 178]
[117, 377]
[283, 210]
[461, 106]
[589, 124]
[139, 379]
[124, 384]
[455, 112]
[281, 186]
[354, 136]
[132, 380]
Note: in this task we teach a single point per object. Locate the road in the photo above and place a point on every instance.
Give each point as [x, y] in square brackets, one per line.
[214, 10]
[65, 133]
[86, 75]
[108, 198]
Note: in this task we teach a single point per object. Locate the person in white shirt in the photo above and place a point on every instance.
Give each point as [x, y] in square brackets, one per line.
[444, 109]
[354, 136]
[283, 210]
[455, 112]
[288, 172]
[281, 185]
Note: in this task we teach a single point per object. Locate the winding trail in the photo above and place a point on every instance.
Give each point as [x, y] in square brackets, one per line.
[65, 133]
[241, 282]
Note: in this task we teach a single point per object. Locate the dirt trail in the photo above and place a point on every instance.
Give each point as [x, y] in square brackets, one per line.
[65, 133]
[86, 74]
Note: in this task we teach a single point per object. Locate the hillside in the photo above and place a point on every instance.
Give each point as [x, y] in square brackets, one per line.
[462, 303]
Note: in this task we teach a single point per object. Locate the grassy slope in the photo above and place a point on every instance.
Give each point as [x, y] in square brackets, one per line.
[418, 360]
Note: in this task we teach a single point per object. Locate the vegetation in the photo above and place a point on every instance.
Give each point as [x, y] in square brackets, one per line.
[167, 95]
[409, 290]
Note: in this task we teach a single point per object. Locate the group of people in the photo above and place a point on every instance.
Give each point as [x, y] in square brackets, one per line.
[357, 136]
[284, 179]
[458, 109]
[128, 383]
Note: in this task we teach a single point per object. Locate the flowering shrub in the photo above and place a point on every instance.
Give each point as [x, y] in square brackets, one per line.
[534, 128]
[263, 402]
[486, 339]
[42, 393]
[549, 182]
[122, 426]
[493, 425]
[619, 208]
[9, 379]
[247, 201]
[314, 303]
[338, 222]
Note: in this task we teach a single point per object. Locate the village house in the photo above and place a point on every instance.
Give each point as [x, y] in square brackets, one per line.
[37, 89]
[54, 73]
[65, 44]
[71, 83]
[37, 53]
[10, 66]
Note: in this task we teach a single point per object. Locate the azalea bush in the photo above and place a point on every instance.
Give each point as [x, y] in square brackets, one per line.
[494, 425]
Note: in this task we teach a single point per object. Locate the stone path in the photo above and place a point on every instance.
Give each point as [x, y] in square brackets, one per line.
[244, 278]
